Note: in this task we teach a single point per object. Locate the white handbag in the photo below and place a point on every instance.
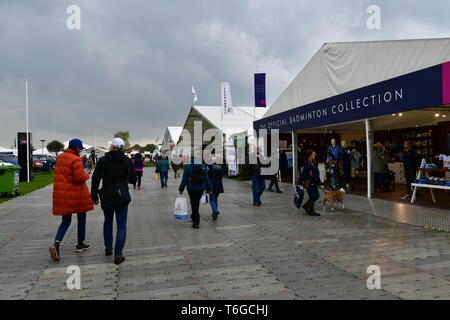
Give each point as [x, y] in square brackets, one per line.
[181, 208]
[204, 199]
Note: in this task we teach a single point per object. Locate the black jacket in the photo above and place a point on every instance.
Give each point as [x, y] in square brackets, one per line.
[215, 174]
[113, 168]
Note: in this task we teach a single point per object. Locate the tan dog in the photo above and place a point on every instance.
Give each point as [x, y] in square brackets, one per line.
[334, 197]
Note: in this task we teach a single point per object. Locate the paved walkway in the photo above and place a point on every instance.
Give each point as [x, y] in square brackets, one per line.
[274, 252]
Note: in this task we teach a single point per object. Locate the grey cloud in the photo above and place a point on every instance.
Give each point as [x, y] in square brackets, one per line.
[133, 63]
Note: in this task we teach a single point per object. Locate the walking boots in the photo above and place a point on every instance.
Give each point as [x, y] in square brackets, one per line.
[309, 208]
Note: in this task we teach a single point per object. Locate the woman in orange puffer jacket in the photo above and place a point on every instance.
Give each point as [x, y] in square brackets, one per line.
[70, 195]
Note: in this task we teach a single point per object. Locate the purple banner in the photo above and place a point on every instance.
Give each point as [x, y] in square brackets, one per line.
[260, 90]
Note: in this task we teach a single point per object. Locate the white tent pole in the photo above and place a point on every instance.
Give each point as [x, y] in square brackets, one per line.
[294, 157]
[369, 144]
[27, 129]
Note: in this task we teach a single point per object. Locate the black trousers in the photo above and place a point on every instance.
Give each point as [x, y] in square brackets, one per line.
[274, 181]
[410, 176]
[195, 196]
[139, 178]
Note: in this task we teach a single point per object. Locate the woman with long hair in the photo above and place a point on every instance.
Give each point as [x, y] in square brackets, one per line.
[309, 179]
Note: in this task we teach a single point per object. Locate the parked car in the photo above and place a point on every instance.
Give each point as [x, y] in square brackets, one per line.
[9, 158]
[42, 163]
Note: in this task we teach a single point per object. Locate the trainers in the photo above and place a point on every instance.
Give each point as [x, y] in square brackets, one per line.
[54, 252]
[279, 191]
[214, 216]
[108, 252]
[82, 247]
[195, 226]
[119, 260]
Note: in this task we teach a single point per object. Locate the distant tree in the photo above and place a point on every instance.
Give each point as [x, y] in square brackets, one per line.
[125, 136]
[55, 146]
[150, 147]
[136, 146]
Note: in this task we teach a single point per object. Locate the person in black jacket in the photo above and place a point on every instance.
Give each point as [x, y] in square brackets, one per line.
[215, 174]
[116, 171]
[410, 165]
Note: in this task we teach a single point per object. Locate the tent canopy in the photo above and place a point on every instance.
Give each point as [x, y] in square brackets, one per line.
[171, 136]
[6, 150]
[342, 67]
[241, 120]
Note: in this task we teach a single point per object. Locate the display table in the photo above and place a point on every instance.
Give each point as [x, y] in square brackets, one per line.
[429, 186]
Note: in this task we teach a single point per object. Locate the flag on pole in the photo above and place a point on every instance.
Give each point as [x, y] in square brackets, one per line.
[227, 104]
[194, 96]
[260, 90]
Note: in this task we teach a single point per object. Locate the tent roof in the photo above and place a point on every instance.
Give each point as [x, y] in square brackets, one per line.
[344, 66]
[5, 150]
[240, 120]
[175, 133]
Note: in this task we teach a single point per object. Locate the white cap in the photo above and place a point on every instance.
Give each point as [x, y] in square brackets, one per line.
[117, 142]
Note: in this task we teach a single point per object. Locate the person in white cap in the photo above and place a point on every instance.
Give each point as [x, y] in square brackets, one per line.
[116, 171]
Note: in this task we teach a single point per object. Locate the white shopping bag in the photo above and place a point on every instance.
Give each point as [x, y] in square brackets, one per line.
[181, 208]
[204, 199]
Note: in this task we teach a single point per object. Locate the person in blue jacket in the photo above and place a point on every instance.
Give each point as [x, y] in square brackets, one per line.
[196, 180]
[163, 168]
[309, 179]
[334, 157]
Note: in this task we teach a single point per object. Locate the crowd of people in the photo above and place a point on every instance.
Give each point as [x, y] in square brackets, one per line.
[115, 171]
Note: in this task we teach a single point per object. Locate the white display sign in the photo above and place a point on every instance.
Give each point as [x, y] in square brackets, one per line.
[227, 104]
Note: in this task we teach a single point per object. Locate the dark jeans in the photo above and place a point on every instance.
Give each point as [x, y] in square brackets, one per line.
[313, 194]
[410, 175]
[214, 201]
[175, 172]
[65, 224]
[378, 180]
[139, 178]
[163, 176]
[121, 220]
[195, 196]
[274, 181]
[258, 186]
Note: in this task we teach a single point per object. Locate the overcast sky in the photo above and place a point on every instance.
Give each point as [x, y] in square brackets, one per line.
[132, 64]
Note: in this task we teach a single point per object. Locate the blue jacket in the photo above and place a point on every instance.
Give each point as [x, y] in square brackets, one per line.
[185, 181]
[334, 153]
[163, 165]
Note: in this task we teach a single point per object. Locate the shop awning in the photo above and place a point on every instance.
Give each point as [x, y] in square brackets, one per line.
[345, 82]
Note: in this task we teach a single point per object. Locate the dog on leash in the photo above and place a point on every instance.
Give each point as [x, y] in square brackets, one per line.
[334, 197]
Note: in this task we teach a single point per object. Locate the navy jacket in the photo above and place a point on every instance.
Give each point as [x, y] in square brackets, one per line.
[410, 159]
[215, 174]
[309, 171]
[185, 181]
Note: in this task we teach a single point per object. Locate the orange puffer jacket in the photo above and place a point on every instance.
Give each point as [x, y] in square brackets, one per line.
[70, 191]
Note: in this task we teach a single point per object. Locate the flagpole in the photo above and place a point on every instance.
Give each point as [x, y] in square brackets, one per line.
[28, 134]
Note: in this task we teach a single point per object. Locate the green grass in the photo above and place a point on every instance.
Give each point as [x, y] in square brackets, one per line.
[39, 181]
[150, 165]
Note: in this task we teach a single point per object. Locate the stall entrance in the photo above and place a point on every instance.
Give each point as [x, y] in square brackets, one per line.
[428, 131]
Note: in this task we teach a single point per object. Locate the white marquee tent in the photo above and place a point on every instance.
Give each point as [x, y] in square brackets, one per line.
[241, 120]
[171, 136]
